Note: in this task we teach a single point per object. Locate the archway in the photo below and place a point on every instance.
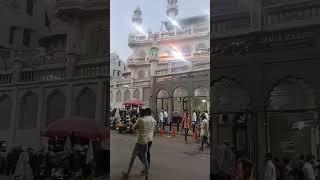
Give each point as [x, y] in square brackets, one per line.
[230, 105]
[126, 95]
[29, 111]
[292, 118]
[200, 101]
[162, 100]
[5, 112]
[136, 94]
[86, 103]
[55, 106]
[181, 99]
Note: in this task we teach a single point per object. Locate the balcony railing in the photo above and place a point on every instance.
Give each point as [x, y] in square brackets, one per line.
[91, 70]
[5, 78]
[43, 75]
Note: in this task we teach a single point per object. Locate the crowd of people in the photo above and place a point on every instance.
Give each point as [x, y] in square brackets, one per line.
[54, 162]
[228, 164]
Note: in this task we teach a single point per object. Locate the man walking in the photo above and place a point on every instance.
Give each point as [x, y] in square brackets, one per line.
[149, 132]
[307, 168]
[204, 132]
[161, 125]
[269, 170]
[144, 126]
[194, 121]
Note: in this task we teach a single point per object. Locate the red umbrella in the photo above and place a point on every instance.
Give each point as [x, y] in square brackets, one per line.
[134, 102]
[81, 127]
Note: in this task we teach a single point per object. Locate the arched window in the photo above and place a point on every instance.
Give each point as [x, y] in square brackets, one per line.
[127, 95]
[5, 112]
[29, 111]
[119, 97]
[55, 106]
[30, 7]
[98, 44]
[141, 74]
[86, 104]
[136, 94]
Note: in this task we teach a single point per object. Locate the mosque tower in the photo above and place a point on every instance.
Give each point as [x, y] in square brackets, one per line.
[137, 16]
[172, 8]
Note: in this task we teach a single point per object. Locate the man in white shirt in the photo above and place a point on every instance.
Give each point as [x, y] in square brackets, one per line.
[165, 116]
[149, 132]
[269, 170]
[204, 132]
[145, 128]
[161, 119]
[194, 120]
[307, 168]
[207, 115]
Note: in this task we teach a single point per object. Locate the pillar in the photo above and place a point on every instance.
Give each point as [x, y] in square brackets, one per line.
[141, 93]
[69, 100]
[261, 129]
[14, 118]
[41, 106]
[114, 97]
[99, 101]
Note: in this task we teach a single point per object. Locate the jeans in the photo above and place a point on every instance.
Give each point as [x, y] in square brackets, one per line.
[204, 140]
[186, 132]
[139, 149]
[148, 154]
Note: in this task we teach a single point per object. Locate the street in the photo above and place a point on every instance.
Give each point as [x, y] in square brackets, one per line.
[171, 159]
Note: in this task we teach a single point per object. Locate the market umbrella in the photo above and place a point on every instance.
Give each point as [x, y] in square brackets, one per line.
[67, 146]
[89, 153]
[78, 126]
[23, 168]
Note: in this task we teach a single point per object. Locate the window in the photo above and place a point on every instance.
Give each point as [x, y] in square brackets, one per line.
[119, 63]
[12, 34]
[114, 72]
[118, 73]
[46, 20]
[124, 67]
[30, 7]
[27, 37]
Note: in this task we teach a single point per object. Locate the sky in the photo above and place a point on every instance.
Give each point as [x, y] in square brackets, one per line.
[153, 12]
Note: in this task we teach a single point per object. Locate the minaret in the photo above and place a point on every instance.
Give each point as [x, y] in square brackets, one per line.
[172, 8]
[137, 16]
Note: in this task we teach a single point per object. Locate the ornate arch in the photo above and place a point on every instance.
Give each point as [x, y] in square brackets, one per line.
[56, 104]
[162, 94]
[97, 43]
[118, 97]
[228, 95]
[136, 94]
[291, 92]
[5, 111]
[86, 103]
[180, 91]
[126, 95]
[29, 111]
[141, 74]
[201, 91]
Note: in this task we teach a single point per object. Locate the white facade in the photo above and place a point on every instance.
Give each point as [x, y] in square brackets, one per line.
[117, 66]
[184, 49]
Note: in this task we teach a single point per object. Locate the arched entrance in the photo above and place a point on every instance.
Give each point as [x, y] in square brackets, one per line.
[231, 116]
[180, 99]
[292, 119]
[200, 101]
[162, 100]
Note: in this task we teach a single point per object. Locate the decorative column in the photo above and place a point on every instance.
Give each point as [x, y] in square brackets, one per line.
[69, 99]
[114, 96]
[99, 102]
[15, 112]
[141, 93]
[40, 112]
[154, 59]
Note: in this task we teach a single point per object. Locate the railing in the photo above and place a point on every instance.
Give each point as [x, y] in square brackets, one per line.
[91, 70]
[179, 69]
[5, 78]
[43, 75]
[72, 4]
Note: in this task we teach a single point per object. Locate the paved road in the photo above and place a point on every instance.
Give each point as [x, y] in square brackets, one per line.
[171, 159]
